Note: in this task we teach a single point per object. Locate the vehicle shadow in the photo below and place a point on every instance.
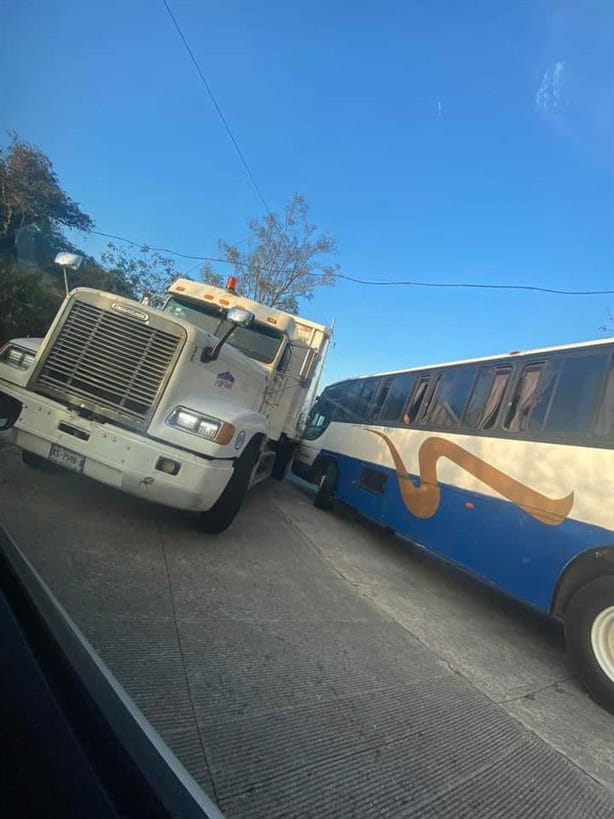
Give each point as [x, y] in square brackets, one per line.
[405, 555]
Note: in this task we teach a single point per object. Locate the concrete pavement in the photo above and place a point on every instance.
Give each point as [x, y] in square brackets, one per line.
[304, 664]
[513, 655]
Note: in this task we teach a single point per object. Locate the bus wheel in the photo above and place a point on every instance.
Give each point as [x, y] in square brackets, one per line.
[224, 510]
[325, 496]
[589, 634]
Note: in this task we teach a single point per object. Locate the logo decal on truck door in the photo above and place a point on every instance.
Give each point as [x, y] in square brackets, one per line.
[423, 500]
[225, 380]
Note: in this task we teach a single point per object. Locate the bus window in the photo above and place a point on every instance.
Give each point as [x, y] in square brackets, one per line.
[575, 398]
[373, 480]
[382, 395]
[450, 397]
[347, 401]
[543, 396]
[495, 398]
[524, 399]
[487, 397]
[415, 403]
[400, 387]
[604, 427]
[366, 396]
[319, 418]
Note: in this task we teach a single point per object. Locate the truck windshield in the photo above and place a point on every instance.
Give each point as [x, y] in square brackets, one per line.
[258, 341]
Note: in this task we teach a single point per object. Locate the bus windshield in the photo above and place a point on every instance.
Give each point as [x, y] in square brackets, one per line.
[257, 341]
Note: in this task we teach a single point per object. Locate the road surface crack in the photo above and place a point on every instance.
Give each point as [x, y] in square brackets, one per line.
[529, 695]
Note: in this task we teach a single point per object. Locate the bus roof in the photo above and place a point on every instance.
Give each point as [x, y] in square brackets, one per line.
[502, 356]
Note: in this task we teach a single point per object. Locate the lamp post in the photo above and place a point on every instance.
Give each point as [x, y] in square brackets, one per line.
[68, 261]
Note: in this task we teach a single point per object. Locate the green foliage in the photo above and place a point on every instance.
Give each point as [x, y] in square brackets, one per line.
[142, 273]
[33, 210]
[30, 193]
[285, 261]
[209, 276]
[93, 274]
[27, 303]
[286, 258]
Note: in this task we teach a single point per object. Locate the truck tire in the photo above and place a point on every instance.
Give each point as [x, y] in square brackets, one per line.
[224, 510]
[325, 496]
[285, 451]
[589, 634]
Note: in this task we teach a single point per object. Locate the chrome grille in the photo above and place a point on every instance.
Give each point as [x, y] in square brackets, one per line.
[109, 363]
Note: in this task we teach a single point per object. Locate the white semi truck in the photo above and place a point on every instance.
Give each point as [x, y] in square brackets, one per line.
[187, 405]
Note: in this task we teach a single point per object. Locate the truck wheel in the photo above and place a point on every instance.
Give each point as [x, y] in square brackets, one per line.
[285, 451]
[224, 510]
[589, 634]
[325, 496]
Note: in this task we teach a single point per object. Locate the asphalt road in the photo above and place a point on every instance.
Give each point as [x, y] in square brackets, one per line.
[306, 664]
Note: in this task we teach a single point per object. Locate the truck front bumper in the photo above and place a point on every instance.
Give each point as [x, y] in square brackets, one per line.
[115, 456]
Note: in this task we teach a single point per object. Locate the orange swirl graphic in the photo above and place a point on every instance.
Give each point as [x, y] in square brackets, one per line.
[423, 501]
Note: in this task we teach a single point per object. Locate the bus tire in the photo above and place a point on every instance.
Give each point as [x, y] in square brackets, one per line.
[325, 496]
[285, 451]
[589, 635]
[224, 510]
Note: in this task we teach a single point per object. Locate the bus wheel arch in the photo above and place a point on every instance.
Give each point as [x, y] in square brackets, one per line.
[583, 569]
[326, 474]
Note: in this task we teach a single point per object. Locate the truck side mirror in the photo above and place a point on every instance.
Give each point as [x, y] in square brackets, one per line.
[236, 317]
[239, 317]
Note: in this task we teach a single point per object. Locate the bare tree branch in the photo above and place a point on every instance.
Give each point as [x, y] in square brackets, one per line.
[286, 258]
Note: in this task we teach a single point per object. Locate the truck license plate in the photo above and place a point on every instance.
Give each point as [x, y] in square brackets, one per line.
[66, 458]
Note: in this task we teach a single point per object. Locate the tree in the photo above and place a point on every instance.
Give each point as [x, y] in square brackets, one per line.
[30, 194]
[34, 209]
[27, 303]
[142, 273]
[209, 276]
[286, 259]
[93, 274]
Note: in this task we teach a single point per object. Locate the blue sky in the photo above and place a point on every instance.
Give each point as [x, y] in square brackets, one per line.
[440, 141]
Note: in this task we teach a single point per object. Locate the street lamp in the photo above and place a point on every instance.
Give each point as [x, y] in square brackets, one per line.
[68, 261]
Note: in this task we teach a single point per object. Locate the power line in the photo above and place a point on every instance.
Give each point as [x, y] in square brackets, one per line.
[391, 283]
[155, 249]
[480, 286]
[216, 106]
[375, 282]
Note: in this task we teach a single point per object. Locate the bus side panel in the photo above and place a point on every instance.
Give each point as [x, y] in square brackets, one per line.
[350, 491]
[488, 535]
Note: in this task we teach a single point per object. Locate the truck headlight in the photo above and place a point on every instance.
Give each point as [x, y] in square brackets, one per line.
[213, 429]
[16, 356]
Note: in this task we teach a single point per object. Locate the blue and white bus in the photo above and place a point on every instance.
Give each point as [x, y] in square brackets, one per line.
[502, 465]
